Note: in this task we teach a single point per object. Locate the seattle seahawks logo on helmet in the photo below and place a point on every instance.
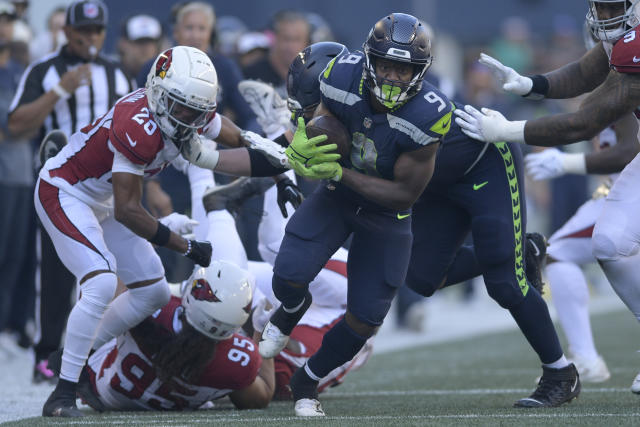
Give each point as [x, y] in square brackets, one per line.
[163, 63]
[201, 290]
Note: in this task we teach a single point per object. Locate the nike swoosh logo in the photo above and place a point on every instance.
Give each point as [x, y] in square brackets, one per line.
[575, 384]
[131, 142]
[479, 186]
[535, 247]
[400, 216]
[636, 59]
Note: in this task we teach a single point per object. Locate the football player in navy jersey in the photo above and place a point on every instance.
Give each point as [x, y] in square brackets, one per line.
[397, 123]
[610, 71]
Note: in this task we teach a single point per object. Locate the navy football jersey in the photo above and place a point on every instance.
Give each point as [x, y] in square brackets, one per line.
[379, 138]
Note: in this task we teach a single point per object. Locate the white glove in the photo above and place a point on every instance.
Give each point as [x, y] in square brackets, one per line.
[489, 125]
[270, 109]
[511, 81]
[201, 152]
[273, 151]
[178, 223]
[552, 163]
[261, 314]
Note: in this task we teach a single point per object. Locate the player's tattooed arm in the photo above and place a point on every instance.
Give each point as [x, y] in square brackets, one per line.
[615, 158]
[579, 77]
[617, 96]
[412, 172]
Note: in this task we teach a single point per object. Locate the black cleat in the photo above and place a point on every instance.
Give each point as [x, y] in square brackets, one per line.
[232, 195]
[534, 259]
[84, 390]
[61, 405]
[51, 145]
[557, 386]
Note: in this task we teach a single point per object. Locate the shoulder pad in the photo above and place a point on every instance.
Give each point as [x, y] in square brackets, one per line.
[133, 131]
[625, 55]
[427, 118]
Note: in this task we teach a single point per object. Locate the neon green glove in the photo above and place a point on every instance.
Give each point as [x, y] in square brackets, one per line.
[326, 170]
[305, 151]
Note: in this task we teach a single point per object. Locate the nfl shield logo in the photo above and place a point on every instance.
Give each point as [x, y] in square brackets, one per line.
[90, 10]
[366, 122]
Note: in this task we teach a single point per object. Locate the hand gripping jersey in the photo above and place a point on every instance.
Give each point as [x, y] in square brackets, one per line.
[379, 138]
[125, 379]
[126, 138]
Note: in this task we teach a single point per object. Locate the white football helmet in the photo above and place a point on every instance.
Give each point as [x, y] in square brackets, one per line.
[217, 300]
[611, 29]
[182, 88]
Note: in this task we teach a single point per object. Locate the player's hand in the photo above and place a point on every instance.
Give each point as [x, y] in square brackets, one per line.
[488, 125]
[511, 81]
[327, 170]
[305, 151]
[552, 163]
[288, 192]
[270, 109]
[273, 151]
[72, 79]
[200, 252]
[261, 314]
[178, 223]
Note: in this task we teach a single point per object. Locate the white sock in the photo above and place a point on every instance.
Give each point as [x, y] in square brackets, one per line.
[83, 323]
[558, 364]
[571, 297]
[224, 237]
[131, 308]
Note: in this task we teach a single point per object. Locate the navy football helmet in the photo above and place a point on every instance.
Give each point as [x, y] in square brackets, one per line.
[303, 85]
[397, 37]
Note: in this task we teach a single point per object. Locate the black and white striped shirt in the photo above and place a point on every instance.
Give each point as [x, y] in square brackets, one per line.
[87, 103]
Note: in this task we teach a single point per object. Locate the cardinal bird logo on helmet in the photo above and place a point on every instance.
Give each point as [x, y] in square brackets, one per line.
[163, 63]
[201, 290]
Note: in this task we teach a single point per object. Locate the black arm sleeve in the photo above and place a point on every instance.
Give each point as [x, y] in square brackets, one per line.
[260, 166]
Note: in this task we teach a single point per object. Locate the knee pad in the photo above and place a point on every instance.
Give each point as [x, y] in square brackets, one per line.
[424, 286]
[493, 240]
[289, 296]
[151, 297]
[505, 294]
[97, 292]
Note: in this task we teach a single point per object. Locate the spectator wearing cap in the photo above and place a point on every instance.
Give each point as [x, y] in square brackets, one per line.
[65, 90]
[17, 223]
[140, 42]
[252, 47]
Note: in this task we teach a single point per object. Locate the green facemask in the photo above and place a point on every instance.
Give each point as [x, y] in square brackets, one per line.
[390, 95]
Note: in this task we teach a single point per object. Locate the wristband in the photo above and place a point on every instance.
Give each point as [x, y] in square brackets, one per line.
[282, 141]
[61, 92]
[575, 163]
[540, 87]
[260, 166]
[188, 251]
[162, 235]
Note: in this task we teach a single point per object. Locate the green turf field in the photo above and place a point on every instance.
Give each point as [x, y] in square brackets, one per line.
[473, 382]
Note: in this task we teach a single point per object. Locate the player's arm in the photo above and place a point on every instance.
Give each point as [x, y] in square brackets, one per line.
[412, 171]
[616, 97]
[579, 77]
[615, 158]
[260, 392]
[128, 210]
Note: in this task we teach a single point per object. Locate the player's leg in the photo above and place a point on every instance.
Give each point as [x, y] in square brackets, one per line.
[569, 249]
[616, 240]
[439, 229]
[498, 228]
[140, 269]
[377, 265]
[77, 237]
[314, 233]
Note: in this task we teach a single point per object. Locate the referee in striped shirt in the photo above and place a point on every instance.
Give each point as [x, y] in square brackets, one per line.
[65, 90]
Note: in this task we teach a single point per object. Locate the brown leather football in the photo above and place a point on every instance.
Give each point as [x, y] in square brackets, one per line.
[336, 133]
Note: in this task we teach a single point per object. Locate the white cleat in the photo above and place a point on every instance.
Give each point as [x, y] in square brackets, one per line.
[635, 386]
[309, 408]
[272, 342]
[594, 370]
